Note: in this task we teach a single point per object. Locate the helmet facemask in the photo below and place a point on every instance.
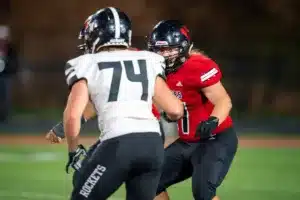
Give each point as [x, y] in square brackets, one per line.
[83, 36]
[174, 55]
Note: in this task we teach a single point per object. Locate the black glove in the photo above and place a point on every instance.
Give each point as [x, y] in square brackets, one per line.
[75, 158]
[205, 128]
[58, 129]
[165, 116]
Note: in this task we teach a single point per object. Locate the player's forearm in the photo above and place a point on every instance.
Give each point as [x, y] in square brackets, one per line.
[58, 129]
[72, 143]
[222, 109]
[88, 114]
[72, 129]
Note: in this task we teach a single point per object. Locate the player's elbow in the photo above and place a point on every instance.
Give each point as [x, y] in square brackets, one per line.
[229, 104]
[176, 112]
[70, 116]
[225, 102]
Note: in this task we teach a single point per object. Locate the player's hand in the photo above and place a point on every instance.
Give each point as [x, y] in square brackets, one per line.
[53, 138]
[205, 128]
[56, 134]
[75, 158]
[165, 116]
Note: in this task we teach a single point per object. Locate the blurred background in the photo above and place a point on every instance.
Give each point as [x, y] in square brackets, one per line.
[256, 44]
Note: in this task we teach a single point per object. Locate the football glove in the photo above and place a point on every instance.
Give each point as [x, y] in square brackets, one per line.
[57, 133]
[76, 158]
[205, 128]
[58, 130]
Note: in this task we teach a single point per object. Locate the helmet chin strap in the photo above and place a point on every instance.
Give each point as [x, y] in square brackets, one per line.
[94, 45]
[190, 49]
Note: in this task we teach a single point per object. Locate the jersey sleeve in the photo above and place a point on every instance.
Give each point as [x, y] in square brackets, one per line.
[207, 73]
[155, 112]
[77, 69]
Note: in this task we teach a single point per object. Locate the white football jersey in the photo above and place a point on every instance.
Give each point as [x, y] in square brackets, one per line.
[170, 128]
[121, 87]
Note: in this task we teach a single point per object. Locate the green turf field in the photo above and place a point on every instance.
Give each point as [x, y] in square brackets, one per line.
[37, 172]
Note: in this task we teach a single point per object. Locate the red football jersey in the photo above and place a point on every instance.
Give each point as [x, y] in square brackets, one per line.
[196, 73]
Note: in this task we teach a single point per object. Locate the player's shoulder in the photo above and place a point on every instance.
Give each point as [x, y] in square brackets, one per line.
[155, 62]
[80, 58]
[200, 65]
[201, 62]
[153, 56]
[199, 58]
[78, 68]
[74, 62]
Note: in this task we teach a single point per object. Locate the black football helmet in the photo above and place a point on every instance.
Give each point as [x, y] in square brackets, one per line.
[171, 34]
[107, 27]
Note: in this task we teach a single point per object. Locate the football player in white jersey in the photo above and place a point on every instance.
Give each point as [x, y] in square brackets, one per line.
[56, 134]
[121, 85]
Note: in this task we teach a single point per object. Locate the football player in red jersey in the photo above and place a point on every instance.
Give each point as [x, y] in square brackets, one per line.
[207, 140]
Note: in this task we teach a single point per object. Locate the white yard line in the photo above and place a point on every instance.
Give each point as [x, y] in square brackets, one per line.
[29, 195]
[41, 196]
[31, 157]
[34, 157]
